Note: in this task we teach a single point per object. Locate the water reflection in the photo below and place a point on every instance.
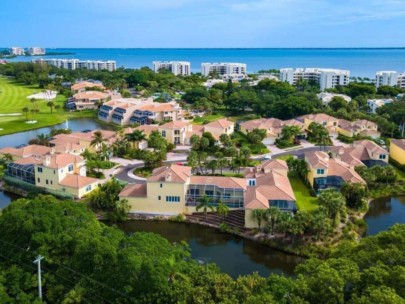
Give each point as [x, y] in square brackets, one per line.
[384, 213]
[234, 255]
[6, 198]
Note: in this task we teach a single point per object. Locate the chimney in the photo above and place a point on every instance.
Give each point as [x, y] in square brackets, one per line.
[47, 160]
[168, 177]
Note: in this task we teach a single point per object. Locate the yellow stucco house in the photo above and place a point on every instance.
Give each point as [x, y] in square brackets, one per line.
[327, 121]
[397, 150]
[358, 127]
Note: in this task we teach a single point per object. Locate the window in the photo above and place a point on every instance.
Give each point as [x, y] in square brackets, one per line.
[227, 195]
[252, 182]
[70, 168]
[209, 192]
[176, 132]
[195, 191]
[173, 199]
[51, 182]
[161, 185]
[163, 133]
[39, 180]
[46, 182]
[159, 197]
[320, 171]
[39, 169]
[383, 156]
[88, 188]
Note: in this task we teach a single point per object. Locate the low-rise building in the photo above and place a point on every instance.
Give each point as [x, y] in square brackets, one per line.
[175, 132]
[361, 127]
[326, 97]
[35, 51]
[374, 104]
[89, 100]
[176, 67]
[219, 127]
[360, 153]
[327, 121]
[325, 172]
[326, 78]
[36, 151]
[84, 86]
[273, 127]
[397, 150]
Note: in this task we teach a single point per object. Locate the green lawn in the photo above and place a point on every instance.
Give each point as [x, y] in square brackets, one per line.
[284, 157]
[207, 118]
[305, 201]
[400, 173]
[13, 98]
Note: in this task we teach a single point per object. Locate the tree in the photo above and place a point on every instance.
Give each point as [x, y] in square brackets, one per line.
[288, 136]
[204, 204]
[259, 215]
[26, 111]
[354, 194]
[157, 141]
[337, 103]
[212, 165]
[256, 136]
[222, 209]
[334, 203]
[273, 216]
[43, 139]
[135, 137]
[97, 142]
[51, 105]
[57, 107]
[318, 134]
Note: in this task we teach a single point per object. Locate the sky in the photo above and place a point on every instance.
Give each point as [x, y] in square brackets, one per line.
[202, 23]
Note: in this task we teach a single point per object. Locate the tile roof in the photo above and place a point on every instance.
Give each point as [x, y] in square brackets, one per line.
[173, 174]
[263, 123]
[30, 160]
[340, 168]
[317, 159]
[90, 95]
[399, 142]
[57, 161]
[219, 181]
[220, 123]
[321, 117]
[86, 84]
[134, 190]
[176, 124]
[30, 150]
[77, 181]
[267, 166]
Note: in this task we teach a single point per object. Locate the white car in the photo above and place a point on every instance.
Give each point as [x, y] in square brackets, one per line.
[267, 156]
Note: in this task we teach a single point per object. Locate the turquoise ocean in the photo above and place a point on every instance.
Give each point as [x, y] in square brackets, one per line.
[361, 62]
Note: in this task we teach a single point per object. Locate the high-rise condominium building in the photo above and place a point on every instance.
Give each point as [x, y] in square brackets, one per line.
[73, 64]
[326, 78]
[389, 78]
[17, 51]
[33, 51]
[176, 67]
[223, 68]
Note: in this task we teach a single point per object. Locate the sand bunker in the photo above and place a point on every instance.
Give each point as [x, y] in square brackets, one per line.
[47, 95]
[31, 122]
[10, 114]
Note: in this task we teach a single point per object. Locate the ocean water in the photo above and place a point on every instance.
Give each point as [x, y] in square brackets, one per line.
[361, 62]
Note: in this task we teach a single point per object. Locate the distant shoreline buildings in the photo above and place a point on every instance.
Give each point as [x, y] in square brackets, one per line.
[390, 78]
[32, 51]
[74, 64]
[176, 67]
[326, 78]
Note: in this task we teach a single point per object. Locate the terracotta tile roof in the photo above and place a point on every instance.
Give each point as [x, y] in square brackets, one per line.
[278, 165]
[176, 124]
[159, 107]
[370, 146]
[86, 84]
[317, 159]
[135, 190]
[270, 186]
[220, 123]
[30, 160]
[339, 168]
[90, 95]
[57, 161]
[219, 181]
[293, 122]
[399, 142]
[77, 181]
[147, 129]
[173, 174]
[319, 118]
[30, 150]
[263, 123]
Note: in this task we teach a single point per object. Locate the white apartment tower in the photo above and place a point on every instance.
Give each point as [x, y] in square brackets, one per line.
[386, 78]
[326, 78]
[34, 51]
[17, 51]
[73, 64]
[223, 68]
[176, 67]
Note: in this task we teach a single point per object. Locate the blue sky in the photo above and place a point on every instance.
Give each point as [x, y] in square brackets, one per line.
[202, 23]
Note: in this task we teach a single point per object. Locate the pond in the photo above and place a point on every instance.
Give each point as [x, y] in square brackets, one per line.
[234, 255]
[385, 212]
[16, 139]
[6, 198]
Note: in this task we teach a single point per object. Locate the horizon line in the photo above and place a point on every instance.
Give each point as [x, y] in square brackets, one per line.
[226, 48]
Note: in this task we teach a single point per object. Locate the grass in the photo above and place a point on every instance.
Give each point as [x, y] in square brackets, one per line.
[400, 173]
[207, 118]
[13, 98]
[143, 172]
[305, 201]
[256, 149]
[284, 157]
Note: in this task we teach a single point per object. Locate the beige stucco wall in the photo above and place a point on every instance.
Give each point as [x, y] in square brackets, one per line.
[397, 154]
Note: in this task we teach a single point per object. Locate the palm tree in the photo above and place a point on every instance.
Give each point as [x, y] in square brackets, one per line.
[259, 215]
[273, 214]
[222, 209]
[97, 140]
[205, 204]
[50, 104]
[43, 139]
[7, 158]
[26, 111]
[135, 137]
[33, 101]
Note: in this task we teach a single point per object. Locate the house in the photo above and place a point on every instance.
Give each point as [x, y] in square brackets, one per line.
[82, 86]
[397, 150]
[175, 132]
[172, 190]
[219, 127]
[326, 97]
[325, 172]
[61, 174]
[360, 127]
[273, 127]
[374, 104]
[327, 121]
[360, 153]
[36, 151]
[89, 99]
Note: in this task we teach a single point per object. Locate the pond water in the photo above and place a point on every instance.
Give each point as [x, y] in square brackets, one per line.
[16, 139]
[6, 198]
[385, 212]
[234, 255]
